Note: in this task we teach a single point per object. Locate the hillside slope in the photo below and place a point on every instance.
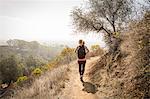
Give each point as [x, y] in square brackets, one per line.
[125, 74]
[46, 86]
[61, 83]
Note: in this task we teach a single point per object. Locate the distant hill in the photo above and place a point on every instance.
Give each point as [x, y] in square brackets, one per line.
[24, 49]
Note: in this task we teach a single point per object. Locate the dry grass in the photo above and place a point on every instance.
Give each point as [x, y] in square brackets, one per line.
[121, 75]
[46, 86]
[137, 62]
[125, 75]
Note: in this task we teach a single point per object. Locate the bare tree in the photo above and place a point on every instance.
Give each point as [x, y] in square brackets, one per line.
[148, 2]
[103, 16]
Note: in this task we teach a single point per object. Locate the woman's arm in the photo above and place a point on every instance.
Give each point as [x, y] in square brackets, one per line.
[76, 50]
[87, 50]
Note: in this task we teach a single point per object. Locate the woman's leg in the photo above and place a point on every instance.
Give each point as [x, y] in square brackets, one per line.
[80, 68]
[83, 67]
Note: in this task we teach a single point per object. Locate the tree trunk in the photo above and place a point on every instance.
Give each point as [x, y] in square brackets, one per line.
[114, 29]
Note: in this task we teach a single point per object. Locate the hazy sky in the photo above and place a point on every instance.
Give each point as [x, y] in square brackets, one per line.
[39, 20]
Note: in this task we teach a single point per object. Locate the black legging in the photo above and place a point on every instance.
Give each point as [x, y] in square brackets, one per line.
[81, 67]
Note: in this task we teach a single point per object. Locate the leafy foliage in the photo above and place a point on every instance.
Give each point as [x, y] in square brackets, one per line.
[21, 79]
[37, 71]
[95, 47]
[68, 54]
[28, 56]
[9, 69]
[96, 51]
[103, 15]
[32, 61]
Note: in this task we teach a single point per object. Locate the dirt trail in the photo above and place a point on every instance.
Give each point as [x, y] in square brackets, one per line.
[74, 87]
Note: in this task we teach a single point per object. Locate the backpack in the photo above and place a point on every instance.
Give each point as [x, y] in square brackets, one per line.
[81, 52]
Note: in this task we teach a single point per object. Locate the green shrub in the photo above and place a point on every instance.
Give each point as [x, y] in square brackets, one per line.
[9, 69]
[21, 79]
[95, 47]
[37, 71]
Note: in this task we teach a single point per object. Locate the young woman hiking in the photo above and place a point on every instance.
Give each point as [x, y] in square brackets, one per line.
[81, 51]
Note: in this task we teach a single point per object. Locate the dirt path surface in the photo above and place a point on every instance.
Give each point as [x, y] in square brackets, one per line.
[74, 88]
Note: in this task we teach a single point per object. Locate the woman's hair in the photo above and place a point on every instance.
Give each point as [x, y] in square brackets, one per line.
[80, 41]
[83, 42]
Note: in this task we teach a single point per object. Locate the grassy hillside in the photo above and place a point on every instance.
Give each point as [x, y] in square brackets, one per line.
[125, 74]
[48, 85]
[22, 57]
[20, 81]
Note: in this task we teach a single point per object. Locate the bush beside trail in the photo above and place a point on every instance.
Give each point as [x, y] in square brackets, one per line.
[47, 85]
